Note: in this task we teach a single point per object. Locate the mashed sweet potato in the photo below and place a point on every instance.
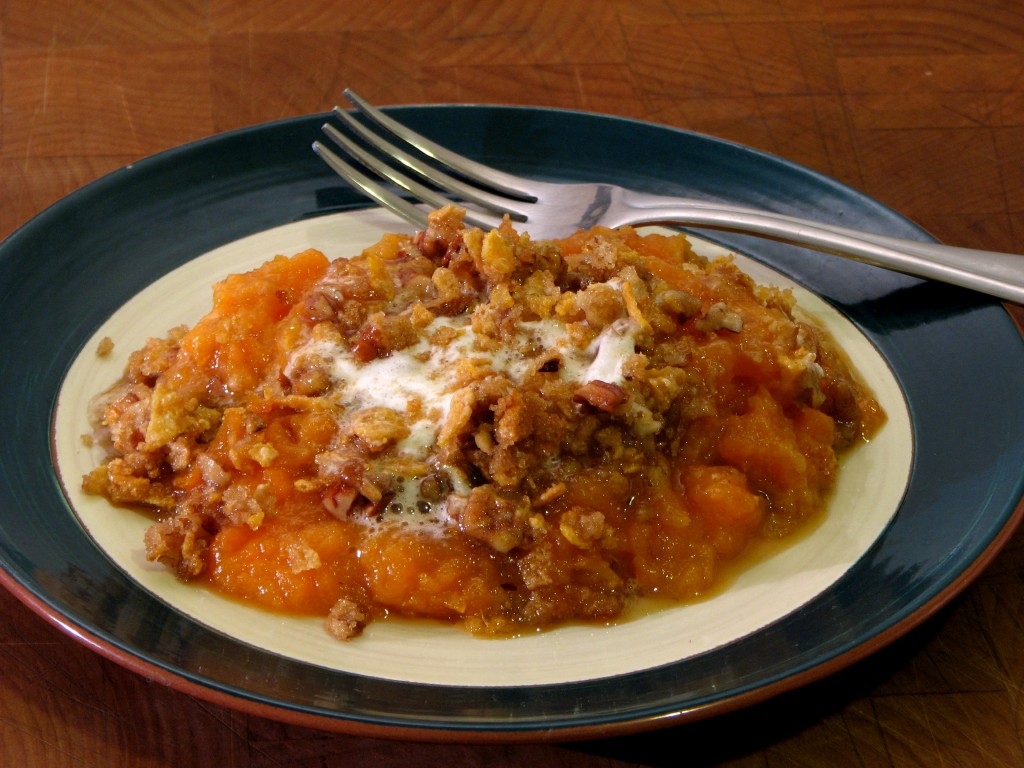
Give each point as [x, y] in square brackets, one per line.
[479, 428]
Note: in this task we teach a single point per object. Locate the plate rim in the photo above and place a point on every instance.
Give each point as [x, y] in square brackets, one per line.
[348, 724]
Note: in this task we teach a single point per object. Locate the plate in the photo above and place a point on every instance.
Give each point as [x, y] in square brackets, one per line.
[65, 272]
[869, 490]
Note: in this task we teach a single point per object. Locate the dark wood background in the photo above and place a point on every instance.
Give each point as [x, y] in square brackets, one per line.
[919, 103]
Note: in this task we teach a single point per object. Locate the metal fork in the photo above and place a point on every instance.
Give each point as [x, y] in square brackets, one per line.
[551, 210]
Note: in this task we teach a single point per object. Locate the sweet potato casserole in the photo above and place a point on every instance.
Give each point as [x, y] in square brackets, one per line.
[479, 428]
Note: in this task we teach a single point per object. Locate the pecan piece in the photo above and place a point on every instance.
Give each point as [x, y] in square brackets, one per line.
[600, 394]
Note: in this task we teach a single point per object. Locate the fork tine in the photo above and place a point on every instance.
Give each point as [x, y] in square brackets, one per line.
[381, 168]
[422, 193]
[372, 189]
[442, 180]
[499, 181]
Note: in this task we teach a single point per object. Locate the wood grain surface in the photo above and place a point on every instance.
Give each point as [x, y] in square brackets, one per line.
[919, 103]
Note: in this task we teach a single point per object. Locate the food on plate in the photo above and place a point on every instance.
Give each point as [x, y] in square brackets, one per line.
[480, 428]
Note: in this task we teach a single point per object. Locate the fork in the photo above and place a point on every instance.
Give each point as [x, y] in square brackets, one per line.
[556, 209]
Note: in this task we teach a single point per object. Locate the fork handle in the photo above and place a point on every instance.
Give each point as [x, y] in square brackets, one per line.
[990, 272]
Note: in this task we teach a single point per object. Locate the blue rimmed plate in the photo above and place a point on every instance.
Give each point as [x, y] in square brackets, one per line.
[64, 273]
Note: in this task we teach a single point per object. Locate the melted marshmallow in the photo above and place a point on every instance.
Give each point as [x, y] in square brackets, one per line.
[420, 373]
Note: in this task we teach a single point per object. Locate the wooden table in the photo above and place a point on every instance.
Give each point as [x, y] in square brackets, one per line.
[919, 103]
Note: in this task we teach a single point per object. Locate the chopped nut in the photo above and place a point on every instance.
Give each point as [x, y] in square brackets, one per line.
[499, 519]
[602, 395]
[678, 303]
[720, 317]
